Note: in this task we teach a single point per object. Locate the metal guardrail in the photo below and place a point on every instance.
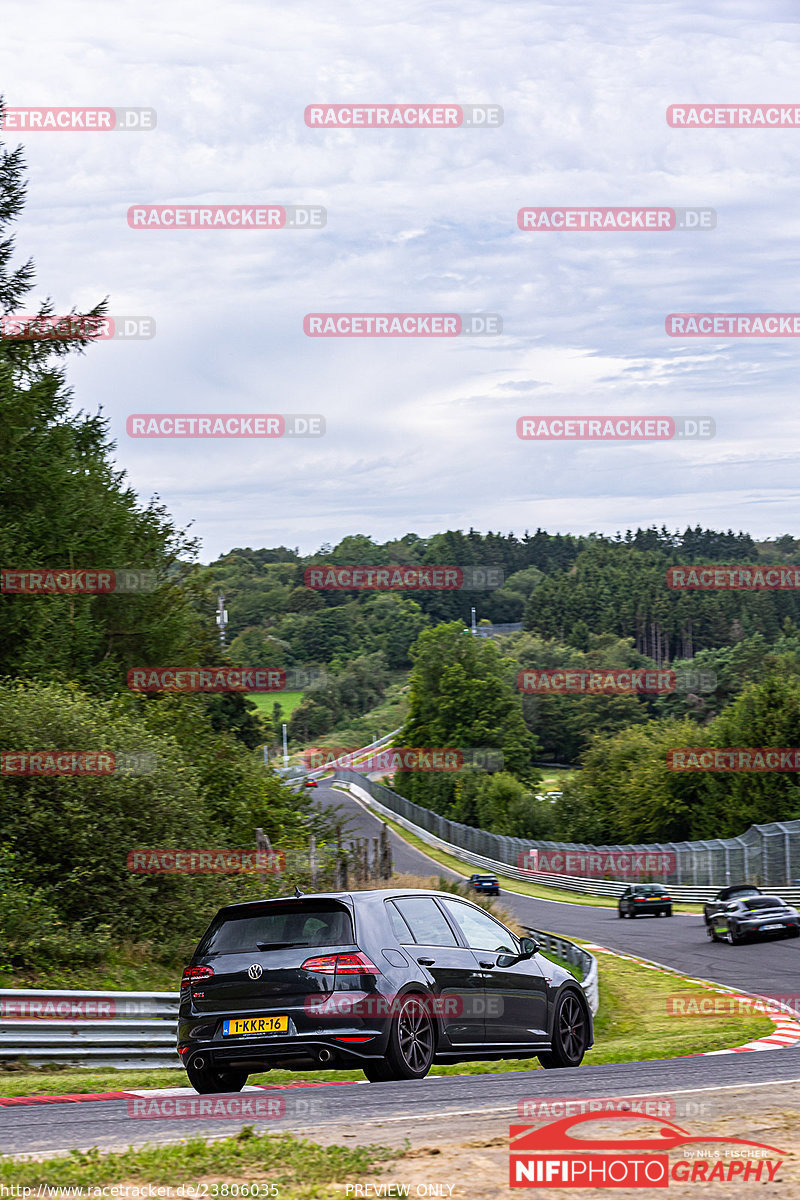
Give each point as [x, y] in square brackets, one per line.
[137, 1030]
[89, 1029]
[505, 627]
[767, 855]
[578, 957]
[369, 792]
[353, 755]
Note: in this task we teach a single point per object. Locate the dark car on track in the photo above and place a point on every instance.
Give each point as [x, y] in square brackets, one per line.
[642, 898]
[754, 917]
[388, 981]
[734, 891]
[487, 885]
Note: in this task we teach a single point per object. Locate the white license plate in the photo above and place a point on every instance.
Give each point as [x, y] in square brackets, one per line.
[764, 928]
[252, 1026]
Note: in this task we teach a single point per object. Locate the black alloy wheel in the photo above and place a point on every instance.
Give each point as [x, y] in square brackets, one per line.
[412, 1042]
[570, 1034]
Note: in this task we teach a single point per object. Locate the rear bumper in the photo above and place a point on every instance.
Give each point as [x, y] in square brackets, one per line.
[301, 1052]
[756, 930]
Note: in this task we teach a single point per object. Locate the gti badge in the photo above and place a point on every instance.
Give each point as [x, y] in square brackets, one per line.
[255, 971]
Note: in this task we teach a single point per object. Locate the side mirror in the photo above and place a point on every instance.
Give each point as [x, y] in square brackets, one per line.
[528, 947]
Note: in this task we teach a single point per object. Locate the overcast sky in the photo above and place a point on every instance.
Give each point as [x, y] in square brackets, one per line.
[421, 434]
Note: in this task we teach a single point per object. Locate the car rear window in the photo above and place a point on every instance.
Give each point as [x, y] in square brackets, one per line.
[763, 902]
[649, 891]
[313, 923]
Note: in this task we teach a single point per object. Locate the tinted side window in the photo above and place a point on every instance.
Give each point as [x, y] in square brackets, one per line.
[399, 927]
[481, 931]
[426, 921]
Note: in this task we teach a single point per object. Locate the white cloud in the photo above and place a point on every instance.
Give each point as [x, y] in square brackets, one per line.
[421, 434]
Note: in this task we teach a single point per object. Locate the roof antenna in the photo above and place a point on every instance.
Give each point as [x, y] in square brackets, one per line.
[297, 891]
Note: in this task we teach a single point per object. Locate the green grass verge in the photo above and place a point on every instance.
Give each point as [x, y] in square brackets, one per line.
[522, 886]
[358, 731]
[632, 1025]
[127, 967]
[553, 779]
[299, 1169]
[265, 701]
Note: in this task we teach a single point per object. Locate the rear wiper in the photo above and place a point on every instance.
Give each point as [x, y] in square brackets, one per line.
[279, 945]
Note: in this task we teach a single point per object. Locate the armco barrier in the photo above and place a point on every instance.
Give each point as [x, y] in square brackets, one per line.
[126, 1029]
[572, 953]
[140, 1030]
[425, 825]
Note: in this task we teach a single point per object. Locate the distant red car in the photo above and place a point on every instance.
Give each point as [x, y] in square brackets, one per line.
[310, 783]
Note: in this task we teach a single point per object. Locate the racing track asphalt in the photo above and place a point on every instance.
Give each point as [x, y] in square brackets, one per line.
[766, 968]
[386, 1113]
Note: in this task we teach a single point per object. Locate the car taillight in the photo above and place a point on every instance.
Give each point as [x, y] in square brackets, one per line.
[640, 899]
[341, 964]
[192, 974]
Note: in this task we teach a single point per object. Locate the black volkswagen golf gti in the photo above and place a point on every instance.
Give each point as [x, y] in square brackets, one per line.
[388, 981]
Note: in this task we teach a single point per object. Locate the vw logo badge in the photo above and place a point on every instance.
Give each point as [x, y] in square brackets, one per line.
[256, 971]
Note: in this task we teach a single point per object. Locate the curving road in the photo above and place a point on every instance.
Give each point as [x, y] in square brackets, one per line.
[439, 1106]
[465, 1106]
[767, 968]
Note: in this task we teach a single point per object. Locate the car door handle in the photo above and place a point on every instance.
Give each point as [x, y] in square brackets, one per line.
[488, 965]
[426, 962]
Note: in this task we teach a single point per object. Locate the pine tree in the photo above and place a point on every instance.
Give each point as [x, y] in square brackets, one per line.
[63, 504]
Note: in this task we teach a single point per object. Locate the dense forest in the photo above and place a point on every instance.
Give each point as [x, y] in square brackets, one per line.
[68, 898]
[583, 602]
[586, 602]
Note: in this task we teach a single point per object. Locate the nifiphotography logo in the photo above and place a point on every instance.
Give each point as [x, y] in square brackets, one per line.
[553, 1156]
